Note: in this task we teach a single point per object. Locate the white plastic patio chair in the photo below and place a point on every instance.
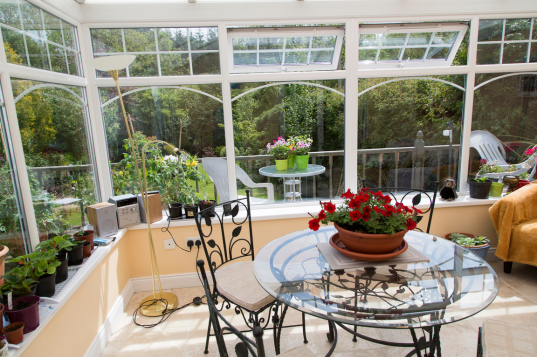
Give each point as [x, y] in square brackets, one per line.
[216, 168]
[491, 148]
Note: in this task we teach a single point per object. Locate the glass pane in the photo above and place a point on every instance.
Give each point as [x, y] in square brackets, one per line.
[245, 44]
[172, 39]
[534, 36]
[321, 56]
[37, 51]
[323, 42]
[14, 47]
[174, 64]
[297, 42]
[271, 43]
[144, 66]
[270, 58]
[31, 18]
[394, 39]
[205, 63]
[515, 52]
[69, 35]
[296, 57]
[490, 30]
[53, 29]
[106, 40]
[438, 52]
[367, 55]
[533, 52]
[204, 38]
[389, 54]
[9, 13]
[444, 38]
[188, 120]
[370, 40]
[140, 40]
[391, 116]
[414, 54]
[57, 59]
[421, 38]
[290, 110]
[57, 153]
[72, 62]
[488, 53]
[517, 29]
[245, 59]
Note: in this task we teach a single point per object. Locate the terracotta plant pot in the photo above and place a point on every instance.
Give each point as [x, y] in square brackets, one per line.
[88, 237]
[370, 243]
[3, 253]
[28, 314]
[86, 250]
[14, 332]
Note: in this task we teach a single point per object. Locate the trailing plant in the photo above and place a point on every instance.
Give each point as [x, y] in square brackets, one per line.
[462, 239]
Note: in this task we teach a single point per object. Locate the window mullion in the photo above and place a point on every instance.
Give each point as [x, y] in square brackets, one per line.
[351, 106]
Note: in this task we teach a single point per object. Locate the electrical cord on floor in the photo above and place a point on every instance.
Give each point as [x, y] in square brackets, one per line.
[167, 229]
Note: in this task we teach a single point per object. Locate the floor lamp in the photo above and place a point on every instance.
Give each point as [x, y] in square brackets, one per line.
[159, 302]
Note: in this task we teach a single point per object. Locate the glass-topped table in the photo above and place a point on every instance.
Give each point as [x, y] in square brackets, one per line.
[455, 284]
[292, 178]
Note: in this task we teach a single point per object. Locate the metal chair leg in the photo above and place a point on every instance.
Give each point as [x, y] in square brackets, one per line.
[304, 327]
[208, 336]
[354, 339]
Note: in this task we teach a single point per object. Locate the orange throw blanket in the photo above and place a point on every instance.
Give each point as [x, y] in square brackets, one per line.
[515, 220]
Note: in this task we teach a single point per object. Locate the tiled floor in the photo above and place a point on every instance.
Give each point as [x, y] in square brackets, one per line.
[183, 334]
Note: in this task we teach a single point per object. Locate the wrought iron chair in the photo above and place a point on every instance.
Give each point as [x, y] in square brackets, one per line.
[234, 282]
[257, 348]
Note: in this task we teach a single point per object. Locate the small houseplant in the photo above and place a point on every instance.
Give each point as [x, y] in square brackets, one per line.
[367, 222]
[279, 149]
[302, 149]
[480, 187]
[479, 245]
[207, 204]
[85, 235]
[61, 245]
[42, 266]
[191, 209]
[76, 254]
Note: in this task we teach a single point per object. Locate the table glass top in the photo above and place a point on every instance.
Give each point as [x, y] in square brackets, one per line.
[454, 285]
[312, 170]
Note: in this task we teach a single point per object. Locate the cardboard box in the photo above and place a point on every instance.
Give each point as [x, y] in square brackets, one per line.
[155, 207]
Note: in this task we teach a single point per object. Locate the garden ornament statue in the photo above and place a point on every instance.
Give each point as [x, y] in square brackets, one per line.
[159, 302]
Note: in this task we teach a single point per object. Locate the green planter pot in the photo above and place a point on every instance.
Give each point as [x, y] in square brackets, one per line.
[302, 162]
[291, 161]
[496, 189]
[281, 165]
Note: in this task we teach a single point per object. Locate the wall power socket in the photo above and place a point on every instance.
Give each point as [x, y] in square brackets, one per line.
[193, 239]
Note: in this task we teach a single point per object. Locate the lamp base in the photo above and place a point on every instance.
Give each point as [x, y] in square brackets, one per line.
[158, 308]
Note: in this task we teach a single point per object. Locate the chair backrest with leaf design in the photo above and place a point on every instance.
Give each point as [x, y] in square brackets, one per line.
[230, 244]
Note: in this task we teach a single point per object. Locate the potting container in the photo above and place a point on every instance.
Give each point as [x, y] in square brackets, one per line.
[16, 335]
[191, 211]
[207, 206]
[281, 165]
[86, 251]
[522, 183]
[496, 189]
[4, 348]
[480, 190]
[47, 285]
[76, 255]
[302, 162]
[28, 315]
[62, 272]
[480, 250]
[291, 161]
[176, 210]
[88, 237]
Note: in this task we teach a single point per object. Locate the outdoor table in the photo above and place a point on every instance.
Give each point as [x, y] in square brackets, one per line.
[454, 285]
[293, 175]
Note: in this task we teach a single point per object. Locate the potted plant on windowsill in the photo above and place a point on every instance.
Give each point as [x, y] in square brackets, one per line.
[14, 333]
[61, 245]
[26, 310]
[367, 222]
[191, 210]
[207, 204]
[480, 187]
[279, 149]
[42, 266]
[85, 235]
[479, 245]
[19, 282]
[302, 146]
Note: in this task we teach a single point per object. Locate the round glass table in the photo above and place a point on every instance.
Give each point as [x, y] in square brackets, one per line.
[292, 178]
[455, 284]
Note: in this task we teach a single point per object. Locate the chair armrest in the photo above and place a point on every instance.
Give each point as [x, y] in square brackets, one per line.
[268, 186]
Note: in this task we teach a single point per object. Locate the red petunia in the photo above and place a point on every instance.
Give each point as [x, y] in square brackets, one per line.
[387, 199]
[366, 214]
[348, 195]
[354, 203]
[389, 210]
[330, 207]
[321, 216]
[417, 211]
[410, 224]
[314, 224]
[378, 210]
[355, 215]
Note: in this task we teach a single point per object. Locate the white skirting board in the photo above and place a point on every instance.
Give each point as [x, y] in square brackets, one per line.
[172, 281]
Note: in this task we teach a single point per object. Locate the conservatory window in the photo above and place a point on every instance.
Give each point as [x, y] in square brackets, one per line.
[281, 49]
[507, 41]
[160, 51]
[410, 45]
[33, 37]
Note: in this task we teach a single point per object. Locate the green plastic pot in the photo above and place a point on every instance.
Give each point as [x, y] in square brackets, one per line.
[281, 165]
[496, 189]
[302, 162]
[291, 161]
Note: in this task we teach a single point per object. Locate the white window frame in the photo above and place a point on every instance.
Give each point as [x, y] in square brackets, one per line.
[338, 31]
[414, 28]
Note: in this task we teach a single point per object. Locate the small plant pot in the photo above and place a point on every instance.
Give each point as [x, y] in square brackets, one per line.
[522, 183]
[281, 165]
[302, 162]
[76, 255]
[14, 333]
[479, 250]
[27, 312]
[496, 189]
[511, 182]
[3, 348]
[176, 210]
[61, 272]
[480, 190]
[46, 286]
[191, 210]
[86, 250]
[88, 237]
[207, 206]
[291, 161]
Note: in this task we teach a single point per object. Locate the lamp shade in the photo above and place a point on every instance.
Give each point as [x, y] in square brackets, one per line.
[111, 63]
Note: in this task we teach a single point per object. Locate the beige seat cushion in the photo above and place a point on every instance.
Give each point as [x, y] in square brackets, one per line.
[508, 340]
[237, 282]
[298, 352]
